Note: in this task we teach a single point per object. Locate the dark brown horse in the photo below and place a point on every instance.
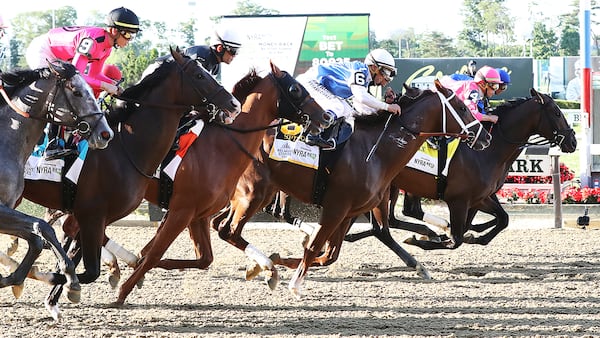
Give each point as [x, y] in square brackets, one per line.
[355, 185]
[473, 179]
[30, 99]
[113, 181]
[207, 175]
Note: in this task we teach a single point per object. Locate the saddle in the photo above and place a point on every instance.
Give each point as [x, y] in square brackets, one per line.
[340, 131]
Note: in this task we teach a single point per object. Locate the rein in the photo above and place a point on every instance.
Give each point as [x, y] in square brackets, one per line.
[11, 104]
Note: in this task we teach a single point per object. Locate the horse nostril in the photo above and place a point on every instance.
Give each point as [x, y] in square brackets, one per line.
[105, 135]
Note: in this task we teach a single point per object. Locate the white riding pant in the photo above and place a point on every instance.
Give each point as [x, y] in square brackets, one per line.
[39, 53]
[326, 99]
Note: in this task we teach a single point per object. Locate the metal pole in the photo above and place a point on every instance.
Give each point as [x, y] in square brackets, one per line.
[556, 187]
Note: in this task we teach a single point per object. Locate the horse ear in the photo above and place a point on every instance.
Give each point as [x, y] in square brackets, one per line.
[176, 53]
[274, 69]
[535, 93]
[439, 86]
[54, 67]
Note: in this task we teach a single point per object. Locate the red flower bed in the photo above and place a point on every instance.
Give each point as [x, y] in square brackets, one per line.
[570, 195]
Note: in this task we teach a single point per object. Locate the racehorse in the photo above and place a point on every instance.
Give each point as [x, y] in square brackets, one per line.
[475, 177]
[208, 173]
[113, 181]
[354, 186]
[472, 181]
[31, 98]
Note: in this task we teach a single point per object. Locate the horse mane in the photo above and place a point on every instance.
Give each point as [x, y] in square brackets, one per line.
[243, 87]
[16, 79]
[150, 81]
[509, 105]
[404, 102]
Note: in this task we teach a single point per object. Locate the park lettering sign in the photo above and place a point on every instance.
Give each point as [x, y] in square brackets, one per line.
[533, 161]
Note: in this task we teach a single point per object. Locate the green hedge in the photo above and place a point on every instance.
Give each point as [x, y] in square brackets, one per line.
[562, 104]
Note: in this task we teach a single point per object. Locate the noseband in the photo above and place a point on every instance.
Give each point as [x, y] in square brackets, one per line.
[291, 107]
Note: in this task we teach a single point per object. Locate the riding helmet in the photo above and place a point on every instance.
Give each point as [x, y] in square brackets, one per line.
[123, 18]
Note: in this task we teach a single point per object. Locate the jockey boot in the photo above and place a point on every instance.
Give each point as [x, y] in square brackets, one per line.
[433, 143]
[318, 140]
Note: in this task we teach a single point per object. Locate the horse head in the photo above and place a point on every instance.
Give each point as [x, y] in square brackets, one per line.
[59, 94]
[225, 107]
[459, 116]
[296, 104]
[553, 125]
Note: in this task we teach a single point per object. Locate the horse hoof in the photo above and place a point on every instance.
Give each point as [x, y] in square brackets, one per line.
[422, 272]
[74, 295]
[12, 248]
[411, 240]
[140, 283]
[54, 311]
[116, 304]
[17, 290]
[113, 281]
[272, 278]
[296, 292]
[252, 272]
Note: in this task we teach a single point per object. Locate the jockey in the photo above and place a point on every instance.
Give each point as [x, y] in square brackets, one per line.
[333, 85]
[505, 81]
[223, 48]
[87, 48]
[476, 93]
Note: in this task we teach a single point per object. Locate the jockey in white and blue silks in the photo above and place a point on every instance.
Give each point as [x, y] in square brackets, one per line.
[334, 85]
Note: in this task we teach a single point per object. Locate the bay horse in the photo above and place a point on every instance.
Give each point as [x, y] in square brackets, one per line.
[473, 179]
[32, 98]
[208, 173]
[355, 185]
[113, 181]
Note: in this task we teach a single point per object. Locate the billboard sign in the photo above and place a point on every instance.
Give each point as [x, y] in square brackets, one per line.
[295, 42]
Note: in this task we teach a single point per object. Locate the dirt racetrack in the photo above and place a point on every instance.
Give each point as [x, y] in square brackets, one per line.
[527, 282]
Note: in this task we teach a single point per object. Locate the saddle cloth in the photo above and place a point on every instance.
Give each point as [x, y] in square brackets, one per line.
[426, 158]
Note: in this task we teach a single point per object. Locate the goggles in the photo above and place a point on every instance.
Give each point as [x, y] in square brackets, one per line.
[232, 50]
[127, 35]
[493, 86]
[387, 73]
[503, 86]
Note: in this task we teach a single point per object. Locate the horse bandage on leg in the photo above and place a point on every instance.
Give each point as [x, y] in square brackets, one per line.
[106, 256]
[253, 253]
[121, 252]
[437, 221]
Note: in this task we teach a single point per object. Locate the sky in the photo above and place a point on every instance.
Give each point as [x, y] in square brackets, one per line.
[386, 17]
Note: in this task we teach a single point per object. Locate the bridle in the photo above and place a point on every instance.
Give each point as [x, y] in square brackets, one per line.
[54, 114]
[559, 135]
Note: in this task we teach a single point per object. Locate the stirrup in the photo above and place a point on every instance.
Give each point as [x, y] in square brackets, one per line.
[317, 140]
[58, 153]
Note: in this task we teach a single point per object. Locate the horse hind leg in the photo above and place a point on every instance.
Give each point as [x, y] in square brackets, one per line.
[66, 265]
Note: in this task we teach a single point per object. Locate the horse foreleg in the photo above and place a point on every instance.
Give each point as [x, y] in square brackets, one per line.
[172, 224]
[199, 231]
[493, 207]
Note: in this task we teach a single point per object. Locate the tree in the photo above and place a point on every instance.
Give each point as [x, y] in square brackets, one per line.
[569, 26]
[545, 42]
[487, 27]
[247, 7]
[435, 45]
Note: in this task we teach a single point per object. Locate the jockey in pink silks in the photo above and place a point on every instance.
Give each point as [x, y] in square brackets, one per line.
[87, 48]
[477, 92]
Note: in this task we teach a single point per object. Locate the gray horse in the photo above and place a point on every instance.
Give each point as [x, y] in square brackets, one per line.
[31, 98]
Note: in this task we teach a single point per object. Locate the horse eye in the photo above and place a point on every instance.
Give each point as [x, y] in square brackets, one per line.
[295, 91]
[77, 93]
